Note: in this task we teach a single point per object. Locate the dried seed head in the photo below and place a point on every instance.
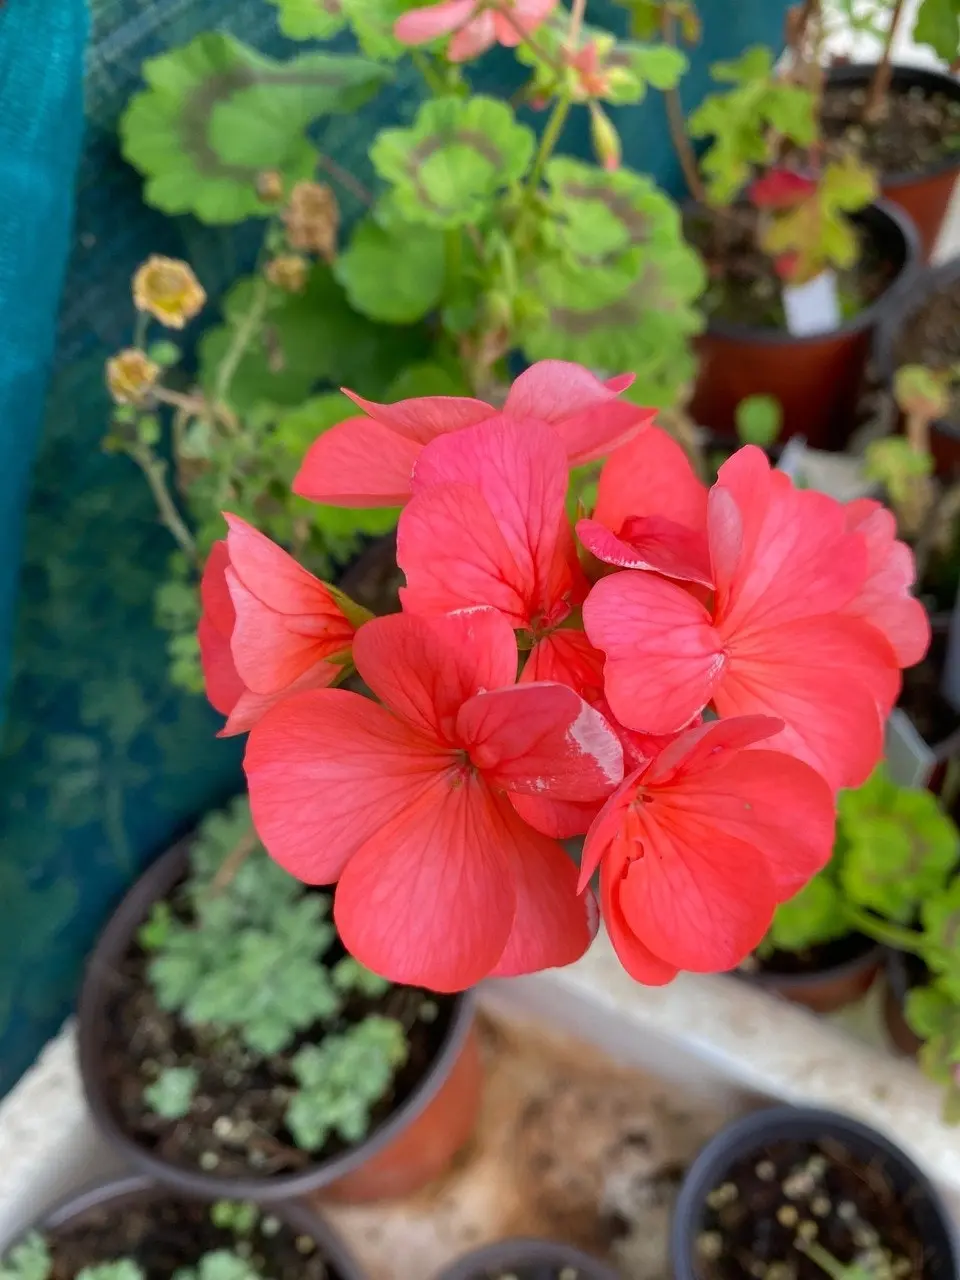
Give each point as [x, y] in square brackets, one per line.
[710, 1245]
[168, 290]
[131, 375]
[288, 272]
[312, 219]
[787, 1216]
[766, 1171]
[270, 186]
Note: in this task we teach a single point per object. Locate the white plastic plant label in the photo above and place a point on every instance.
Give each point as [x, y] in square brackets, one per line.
[910, 761]
[813, 307]
[793, 458]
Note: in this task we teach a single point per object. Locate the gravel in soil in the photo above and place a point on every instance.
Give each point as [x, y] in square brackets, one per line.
[235, 1126]
[818, 1191]
[164, 1233]
[812, 960]
[743, 286]
[931, 337]
[920, 130]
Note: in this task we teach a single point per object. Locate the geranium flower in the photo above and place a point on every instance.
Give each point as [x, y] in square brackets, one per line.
[774, 640]
[885, 600]
[168, 290]
[476, 24]
[698, 847]
[407, 806]
[651, 511]
[781, 189]
[368, 462]
[268, 628]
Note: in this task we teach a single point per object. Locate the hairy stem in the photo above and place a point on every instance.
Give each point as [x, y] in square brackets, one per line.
[675, 120]
[576, 24]
[155, 469]
[880, 84]
[241, 851]
[530, 41]
[425, 65]
[243, 335]
[887, 934]
[548, 140]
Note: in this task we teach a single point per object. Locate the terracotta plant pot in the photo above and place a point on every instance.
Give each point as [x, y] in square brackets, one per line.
[818, 379]
[121, 1195]
[762, 1133]
[903, 972]
[830, 989]
[925, 196]
[896, 320]
[539, 1259]
[414, 1144]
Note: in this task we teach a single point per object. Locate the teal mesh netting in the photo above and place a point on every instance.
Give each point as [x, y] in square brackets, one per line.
[102, 762]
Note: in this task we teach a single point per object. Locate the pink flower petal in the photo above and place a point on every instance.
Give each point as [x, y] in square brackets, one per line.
[473, 39]
[541, 739]
[358, 463]
[652, 543]
[702, 748]
[586, 413]
[552, 925]
[224, 687]
[566, 657]
[419, 26]
[664, 659]
[651, 476]
[429, 899]
[559, 819]
[885, 600]
[424, 419]
[327, 769]
[638, 960]
[425, 669]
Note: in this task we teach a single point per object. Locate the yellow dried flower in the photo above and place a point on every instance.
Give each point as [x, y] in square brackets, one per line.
[130, 376]
[270, 186]
[288, 272]
[312, 219]
[169, 290]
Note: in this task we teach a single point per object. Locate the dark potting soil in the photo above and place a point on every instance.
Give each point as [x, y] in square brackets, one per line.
[931, 337]
[742, 283]
[918, 132]
[818, 1190]
[164, 1233]
[813, 960]
[235, 1126]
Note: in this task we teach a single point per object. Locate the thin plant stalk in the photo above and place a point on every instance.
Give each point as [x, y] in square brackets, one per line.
[675, 120]
[549, 139]
[887, 934]
[154, 469]
[243, 335]
[880, 84]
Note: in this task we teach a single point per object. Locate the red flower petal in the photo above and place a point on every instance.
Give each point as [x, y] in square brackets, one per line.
[651, 543]
[638, 960]
[585, 412]
[425, 669]
[327, 769]
[559, 819]
[781, 189]
[424, 419]
[419, 26]
[429, 899]
[566, 657]
[650, 476]
[224, 687]
[885, 600]
[358, 463]
[541, 739]
[664, 658]
[473, 39]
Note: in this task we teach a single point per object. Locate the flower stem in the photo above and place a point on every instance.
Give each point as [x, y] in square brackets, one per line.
[887, 934]
[880, 84]
[453, 240]
[576, 24]
[243, 335]
[675, 121]
[154, 469]
[548, 141]
[347, 180]
[424, 64]
[526, 38]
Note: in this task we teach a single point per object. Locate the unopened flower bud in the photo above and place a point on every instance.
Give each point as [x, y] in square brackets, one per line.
[604, 137]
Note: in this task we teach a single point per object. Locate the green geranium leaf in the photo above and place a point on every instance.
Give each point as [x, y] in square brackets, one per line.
[814, 917]
[616, 282]
[427, 379]
[941, 925]
[216, 114]
[310, 19]
[938, 25]
[395, 273]
[448, 168]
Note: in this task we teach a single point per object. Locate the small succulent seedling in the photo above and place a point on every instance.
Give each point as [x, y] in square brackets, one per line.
[28, 1260]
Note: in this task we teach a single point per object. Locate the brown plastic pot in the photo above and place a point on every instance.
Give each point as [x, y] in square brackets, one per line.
[832, 988]
[121, 1193]
[538, 1259]
[898, 987]
[925, 196]
[817, 379]
[414, 1144]
[944, 435]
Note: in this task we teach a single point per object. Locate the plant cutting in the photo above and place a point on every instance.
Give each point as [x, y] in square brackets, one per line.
[132, 1230]
[528, 1260]
[904, 121]
[895, 850]
[517, 702]
[799, 257]
[228, 1044]
[809, 1194]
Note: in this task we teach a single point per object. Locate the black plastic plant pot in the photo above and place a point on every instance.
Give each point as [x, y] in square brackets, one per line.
[413, 1145]
[122, 1198]
[925, 195]
[528, 1260]
[842, 1141]
[897, 321]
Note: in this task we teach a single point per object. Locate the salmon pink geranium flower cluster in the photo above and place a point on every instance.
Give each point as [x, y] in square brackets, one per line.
[685, 677]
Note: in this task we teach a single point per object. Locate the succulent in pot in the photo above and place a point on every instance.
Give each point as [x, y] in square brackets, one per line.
[528, 1260]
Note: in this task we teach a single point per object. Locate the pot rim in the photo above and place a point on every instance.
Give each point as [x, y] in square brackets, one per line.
[748, 1132]
[924, 284]
[156, 881]
[872, 955]
[119, 1191]
[863, 321]
[924, 77]
[898, 979]
[524, 1251]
